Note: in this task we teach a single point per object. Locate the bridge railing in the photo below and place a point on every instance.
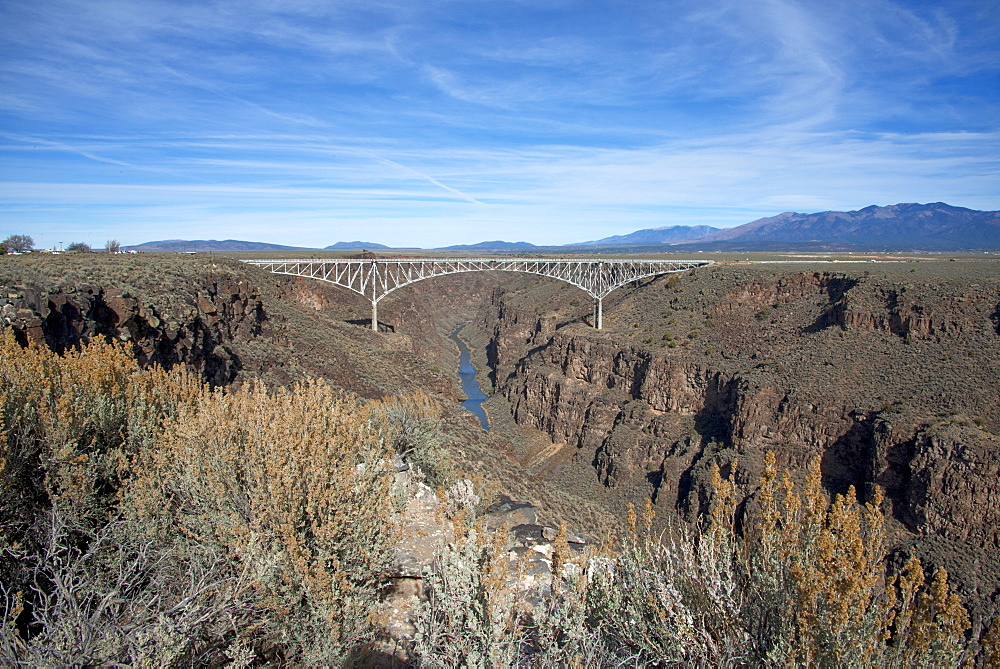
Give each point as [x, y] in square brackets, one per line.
[376, 278]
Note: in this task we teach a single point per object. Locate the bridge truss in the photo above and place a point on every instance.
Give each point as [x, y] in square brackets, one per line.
[374, 279]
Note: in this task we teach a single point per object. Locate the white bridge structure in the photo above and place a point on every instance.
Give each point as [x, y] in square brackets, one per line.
[374, 279]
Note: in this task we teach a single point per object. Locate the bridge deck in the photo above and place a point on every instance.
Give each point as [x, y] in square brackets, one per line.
[374, 279]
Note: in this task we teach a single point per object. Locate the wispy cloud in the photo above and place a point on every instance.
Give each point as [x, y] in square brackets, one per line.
[442, 122]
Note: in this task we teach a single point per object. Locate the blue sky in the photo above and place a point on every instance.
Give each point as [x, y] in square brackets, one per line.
[426, 122]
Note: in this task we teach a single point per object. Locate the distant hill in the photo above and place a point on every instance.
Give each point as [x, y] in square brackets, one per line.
[900, 227]
[490, 245]
[354, 245]
[665, 235]
[183, 245]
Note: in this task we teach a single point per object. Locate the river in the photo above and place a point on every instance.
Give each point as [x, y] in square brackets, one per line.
[468, 375]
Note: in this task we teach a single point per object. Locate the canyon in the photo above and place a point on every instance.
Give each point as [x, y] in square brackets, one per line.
[889, 373]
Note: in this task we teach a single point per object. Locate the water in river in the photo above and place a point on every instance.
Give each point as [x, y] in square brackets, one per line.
[468, 376]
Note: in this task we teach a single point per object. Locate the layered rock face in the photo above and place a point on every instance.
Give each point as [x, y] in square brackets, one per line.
[890, 378]
[199, 334]
[225, 320]
[942, 479]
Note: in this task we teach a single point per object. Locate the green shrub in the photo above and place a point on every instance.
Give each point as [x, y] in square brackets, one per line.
[469, 619]
[104, 596]
[414, 424]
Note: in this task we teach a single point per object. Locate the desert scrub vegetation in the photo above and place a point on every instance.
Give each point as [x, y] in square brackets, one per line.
[415, 424]
[149, 520]
[805, 583]
[146, 519]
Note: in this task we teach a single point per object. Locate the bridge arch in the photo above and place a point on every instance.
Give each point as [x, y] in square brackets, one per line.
[375, 279]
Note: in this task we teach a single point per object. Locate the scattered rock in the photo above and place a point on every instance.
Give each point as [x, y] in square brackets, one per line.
[423, 533]
[510, 513]
[530, 535]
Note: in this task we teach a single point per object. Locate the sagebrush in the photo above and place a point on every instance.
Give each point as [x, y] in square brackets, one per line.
[146, 519]
[247, 521]
[805, 583]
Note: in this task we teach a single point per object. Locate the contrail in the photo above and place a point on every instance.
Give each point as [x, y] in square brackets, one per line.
[467, 198]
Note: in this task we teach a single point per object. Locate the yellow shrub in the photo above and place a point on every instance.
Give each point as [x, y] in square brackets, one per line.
[63, 415]
[288, 491]
[291, 485]
[831, 553]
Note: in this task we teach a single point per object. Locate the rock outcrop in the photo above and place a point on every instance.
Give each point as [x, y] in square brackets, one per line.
[199, 333]
[941, 479]
[225, 320]
[890, 380]
[434, 523]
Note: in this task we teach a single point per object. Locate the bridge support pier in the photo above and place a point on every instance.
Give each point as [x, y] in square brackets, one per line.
[374, 279]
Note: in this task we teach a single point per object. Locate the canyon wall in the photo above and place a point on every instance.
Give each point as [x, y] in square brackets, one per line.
[227, 321]
[199, 332]
[890, 379]
[889, 374]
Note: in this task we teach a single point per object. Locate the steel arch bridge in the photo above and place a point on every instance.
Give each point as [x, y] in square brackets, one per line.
[374, 279]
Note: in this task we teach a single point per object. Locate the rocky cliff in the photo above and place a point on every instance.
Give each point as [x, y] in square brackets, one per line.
[890, 377]
[228, 321]
[889, 373]
[199, 334]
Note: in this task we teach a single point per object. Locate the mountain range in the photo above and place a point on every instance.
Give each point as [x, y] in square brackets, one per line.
[900, 227]
[357, 246]
[673, 233]
[188, 246]
[494, 245]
